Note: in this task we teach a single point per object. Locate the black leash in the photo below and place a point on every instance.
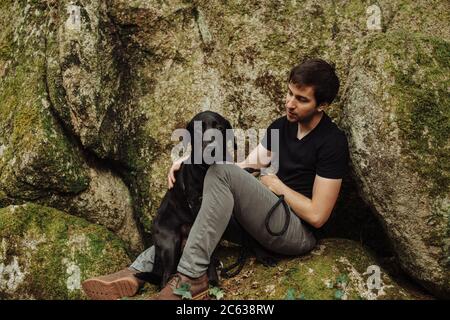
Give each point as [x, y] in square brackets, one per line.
[240, 263]
[244, 252]
[286, 221]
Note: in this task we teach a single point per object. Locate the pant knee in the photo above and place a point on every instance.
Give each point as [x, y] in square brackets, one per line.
[222, 170]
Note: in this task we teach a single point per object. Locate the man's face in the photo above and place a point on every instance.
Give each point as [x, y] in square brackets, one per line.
[300, 103]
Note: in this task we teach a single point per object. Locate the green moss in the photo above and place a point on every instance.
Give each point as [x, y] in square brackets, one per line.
[424, 111]
[335, 270]
[420, 70]
[52, 247]
[33, 135]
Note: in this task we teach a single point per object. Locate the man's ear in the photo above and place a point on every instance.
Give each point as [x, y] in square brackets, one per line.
[322, 106]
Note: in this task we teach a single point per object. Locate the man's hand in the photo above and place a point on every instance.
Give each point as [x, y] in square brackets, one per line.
[315, 211]
[171, 176]
[272, 182]
[257, 159]
[175, 167]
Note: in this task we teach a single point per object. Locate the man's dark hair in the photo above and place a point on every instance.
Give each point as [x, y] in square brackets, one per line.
[319, 74]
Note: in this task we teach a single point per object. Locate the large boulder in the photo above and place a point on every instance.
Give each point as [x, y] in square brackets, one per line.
[85, 69]
[46, 253]
[397, 115]
[337, 269]
[231, 57]
[91, 90]
[39, 159]
[35, 157]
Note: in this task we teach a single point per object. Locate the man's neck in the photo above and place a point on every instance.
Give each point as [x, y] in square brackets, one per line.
[305, 127]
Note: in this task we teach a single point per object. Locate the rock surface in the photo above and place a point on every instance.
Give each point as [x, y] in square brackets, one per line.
[46, 253]
[91, 92]
[338, 269]
[39, 160]
[397, 114]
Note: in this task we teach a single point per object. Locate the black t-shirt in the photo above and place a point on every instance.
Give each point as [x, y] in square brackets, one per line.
[323, 151]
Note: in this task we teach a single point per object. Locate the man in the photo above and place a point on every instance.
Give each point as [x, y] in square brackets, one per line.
[312, 160]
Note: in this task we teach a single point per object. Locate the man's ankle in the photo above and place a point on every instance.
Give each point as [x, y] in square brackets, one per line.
[133, 269]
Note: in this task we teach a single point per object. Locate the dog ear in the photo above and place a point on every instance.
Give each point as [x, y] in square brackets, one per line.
[190, 126]
[190, 129]
[231, 138]
[230, 145]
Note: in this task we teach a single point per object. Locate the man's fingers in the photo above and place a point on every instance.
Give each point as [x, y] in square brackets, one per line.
[170, 181]
[171, 176]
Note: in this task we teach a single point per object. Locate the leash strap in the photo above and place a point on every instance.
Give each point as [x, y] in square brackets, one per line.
[240, 263]
[286, 221]
[243, 253]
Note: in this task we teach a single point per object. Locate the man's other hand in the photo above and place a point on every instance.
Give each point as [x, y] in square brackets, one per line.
[171, 176]
[272, 182]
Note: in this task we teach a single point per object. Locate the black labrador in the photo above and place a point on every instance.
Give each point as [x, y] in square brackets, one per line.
[181, 204]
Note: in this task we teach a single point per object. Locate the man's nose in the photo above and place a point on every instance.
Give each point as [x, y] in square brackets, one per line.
[290, 102]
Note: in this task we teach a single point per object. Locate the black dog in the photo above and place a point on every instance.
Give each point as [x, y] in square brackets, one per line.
[181, 204]
[180, 207]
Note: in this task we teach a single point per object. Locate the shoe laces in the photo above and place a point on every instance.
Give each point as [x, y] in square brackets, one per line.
[174, 280]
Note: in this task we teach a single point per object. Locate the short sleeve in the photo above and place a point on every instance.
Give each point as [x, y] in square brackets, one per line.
[266, 140]
[333, 157]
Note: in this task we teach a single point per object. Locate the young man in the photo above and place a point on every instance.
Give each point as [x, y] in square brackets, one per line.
[312, 160]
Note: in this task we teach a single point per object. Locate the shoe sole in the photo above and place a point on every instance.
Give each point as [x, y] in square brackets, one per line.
[202, 296]
[102, 290]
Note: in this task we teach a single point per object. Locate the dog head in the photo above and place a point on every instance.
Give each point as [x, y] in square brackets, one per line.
[211, 134]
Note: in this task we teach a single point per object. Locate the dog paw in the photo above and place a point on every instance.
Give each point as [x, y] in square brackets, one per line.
[267, 261]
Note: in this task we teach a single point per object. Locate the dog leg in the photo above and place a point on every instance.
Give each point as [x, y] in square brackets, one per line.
[170, 256]
[213, 275]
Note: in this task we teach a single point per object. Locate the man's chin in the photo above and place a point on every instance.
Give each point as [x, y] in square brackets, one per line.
[291, 118]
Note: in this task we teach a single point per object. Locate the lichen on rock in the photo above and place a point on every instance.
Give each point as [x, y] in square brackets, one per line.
[91, 91]
[397, 113]
[337, 269]
[36, 157]
[40, 160]
[46, 253]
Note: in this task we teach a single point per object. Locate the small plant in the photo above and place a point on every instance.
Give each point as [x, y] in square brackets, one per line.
[184, 291]
[216, 292]
[342, 279]
[290, 295]
[338, 294]
[339, 285]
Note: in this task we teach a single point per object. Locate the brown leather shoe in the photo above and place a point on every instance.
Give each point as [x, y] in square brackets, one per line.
[198, 288]
[113, 286]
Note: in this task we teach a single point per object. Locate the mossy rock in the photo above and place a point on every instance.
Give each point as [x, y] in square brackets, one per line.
[232, 57]
[337, 269]
[39, 159]
[397, 115]
[46, 253]
[36, 158]
[85, 66]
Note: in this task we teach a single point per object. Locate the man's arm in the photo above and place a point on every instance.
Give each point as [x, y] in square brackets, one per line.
[315, 211]
[257, 159]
